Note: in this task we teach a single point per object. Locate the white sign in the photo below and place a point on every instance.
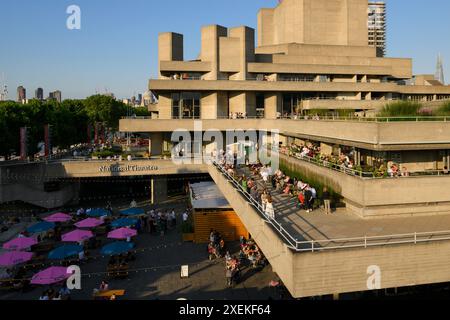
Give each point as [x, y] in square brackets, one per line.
[184, 271]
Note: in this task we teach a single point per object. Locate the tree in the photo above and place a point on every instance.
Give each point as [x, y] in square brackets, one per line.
[105, 109]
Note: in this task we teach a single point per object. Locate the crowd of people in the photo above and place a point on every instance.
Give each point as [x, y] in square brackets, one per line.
[238, 115]
[51, 294]
[345, 160]
[281, 183]
[216, 246]
[249, 255]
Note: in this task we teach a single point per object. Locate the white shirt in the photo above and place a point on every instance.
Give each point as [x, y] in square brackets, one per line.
[185, 216]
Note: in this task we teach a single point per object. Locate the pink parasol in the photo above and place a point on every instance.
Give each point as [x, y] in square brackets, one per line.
[50, 276]
[19, 244]
[58, 217]
[13, 258]
[77, 236]
[89, 223]
[122, 233]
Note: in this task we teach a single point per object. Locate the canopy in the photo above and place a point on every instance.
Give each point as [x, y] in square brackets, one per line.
[65, 251]
[77, 236]
[19, 243]
[58, 217]
[50, 276]
[122, 233]
[117, 248]
[41, 227]
[132, 212]
[124, 222]
[13, 258]
[89, 223]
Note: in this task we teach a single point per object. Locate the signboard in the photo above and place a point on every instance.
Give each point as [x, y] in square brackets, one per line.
[127, 168]
[185, 271]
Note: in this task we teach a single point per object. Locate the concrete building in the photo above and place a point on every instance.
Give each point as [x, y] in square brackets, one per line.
[39, 94]
[311, 55]
[55, 95]
[377, 26]
[21, 94]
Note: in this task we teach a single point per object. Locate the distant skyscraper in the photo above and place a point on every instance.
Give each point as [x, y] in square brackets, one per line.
[377, 26]
[21, 94]
[139, 98]
[440, 70]
[56, 95]
[39, 94]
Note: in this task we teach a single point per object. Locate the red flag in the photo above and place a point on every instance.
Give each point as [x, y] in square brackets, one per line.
[23, 143]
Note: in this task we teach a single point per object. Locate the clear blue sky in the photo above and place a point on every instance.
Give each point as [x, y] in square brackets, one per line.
[116, 47]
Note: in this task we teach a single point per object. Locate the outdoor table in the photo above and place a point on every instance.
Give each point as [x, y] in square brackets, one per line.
[109, 293]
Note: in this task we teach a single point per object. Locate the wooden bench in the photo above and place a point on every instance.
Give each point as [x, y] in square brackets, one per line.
[108, 294]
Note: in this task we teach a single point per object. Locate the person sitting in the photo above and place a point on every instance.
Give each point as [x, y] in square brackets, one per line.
[301, 201]
[104, 286]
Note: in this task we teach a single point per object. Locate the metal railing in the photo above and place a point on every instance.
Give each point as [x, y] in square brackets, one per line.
[299, 117]
[339, 243]
[358, 173]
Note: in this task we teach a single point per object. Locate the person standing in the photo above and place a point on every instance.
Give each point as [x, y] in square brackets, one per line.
[326, 201]
[308, 199]
[270, 211]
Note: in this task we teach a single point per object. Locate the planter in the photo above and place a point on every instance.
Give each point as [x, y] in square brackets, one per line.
[188, 237]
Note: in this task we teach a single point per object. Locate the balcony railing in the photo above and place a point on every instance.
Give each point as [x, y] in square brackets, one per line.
[318, 118]
[290, 238]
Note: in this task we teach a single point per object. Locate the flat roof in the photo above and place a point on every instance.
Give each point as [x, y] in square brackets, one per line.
[206, 195]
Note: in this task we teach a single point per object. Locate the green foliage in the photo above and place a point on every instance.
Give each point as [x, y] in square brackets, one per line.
[141, 112]
[444, 110]
[69, 120]
[105, 109]
[314, 181]
[401, 109]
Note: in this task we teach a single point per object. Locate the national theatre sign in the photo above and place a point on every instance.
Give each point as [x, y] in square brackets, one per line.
[127, 168]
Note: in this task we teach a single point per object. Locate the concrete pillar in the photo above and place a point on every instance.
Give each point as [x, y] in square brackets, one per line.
[244, 102]
[246, 38]
[165, 106]
[210, 49]
[369, 96]
[272, 104]
[214, 105]
[170, 48]
[158, 187]
[156, 143]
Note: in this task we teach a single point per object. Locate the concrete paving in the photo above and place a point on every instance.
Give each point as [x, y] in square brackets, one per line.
[156, 273]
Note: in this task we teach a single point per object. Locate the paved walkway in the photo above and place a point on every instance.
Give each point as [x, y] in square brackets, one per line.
[156, 273]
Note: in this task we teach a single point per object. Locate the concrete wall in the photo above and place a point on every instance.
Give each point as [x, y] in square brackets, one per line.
[372, 198]
[340, 271]
[345, 271]
[210, 49]
[170, 48]
[292, 86]
[337, 22]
